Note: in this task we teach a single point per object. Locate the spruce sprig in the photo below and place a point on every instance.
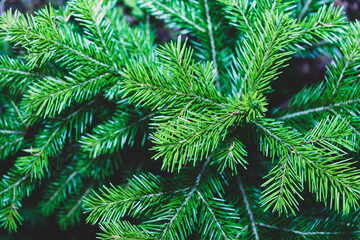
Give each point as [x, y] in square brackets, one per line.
[88, 88]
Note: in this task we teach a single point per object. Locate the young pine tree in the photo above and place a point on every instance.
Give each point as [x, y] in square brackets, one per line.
[83, 88]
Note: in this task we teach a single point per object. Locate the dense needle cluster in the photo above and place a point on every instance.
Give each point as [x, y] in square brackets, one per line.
[84, 86]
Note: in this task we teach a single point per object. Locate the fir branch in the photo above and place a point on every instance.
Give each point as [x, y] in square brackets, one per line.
[18, 112]
[176, 11]
[105, 136]
[14, 185]
[212, 215]
[302, 233]
[10, 146]
[348, 123]
[57, 191]
[304, 9]
[309, 162]
[230, 153]
[124, 230]
[38, 41]
[212, 43]
[258, 67]
[143, 191]
[240, 13]
[318, 109]
[10, 132]
[184, 139]
[248, 209]
[9, 215]
[152, 86]
[50, 96]
[186, 200]
[72, 210]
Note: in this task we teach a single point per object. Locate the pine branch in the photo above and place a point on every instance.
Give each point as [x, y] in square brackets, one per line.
[105, 137]
[230, 153]
[58, 190]
[152, 86]
[9, 215]
[71, 212]
[50, 96]
[240, 13]
[124, 230]
[304, 234]
[143, 191]
[45, 42]
[248, 209]
[186, 140]
[329, 107]
[212, 43]
[323, 161]
[172, 224]
[15, 75]
[177, 10]
[259, 66]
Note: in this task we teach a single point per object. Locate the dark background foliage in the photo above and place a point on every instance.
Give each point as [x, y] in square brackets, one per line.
[301, 72]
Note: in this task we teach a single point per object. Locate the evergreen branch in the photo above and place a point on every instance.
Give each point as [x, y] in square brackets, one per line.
[326, 18]
[322, 161]
[175, 11]
[248, 209]
[212, 215]
[124, 230]
[58, 189]
[212, 43]
[341, 73]
[302, 233]
[9, 215]
[15, 74]
[348, 123]
[317, 109]
[92, 11]
[304, 9]
[105, 136]
[50, 96]
[9, 147]
[11, 143]
[240, 13]
[143, 191]
[78, 202]
[178, 210]
[11, 132]
[258, 67]
[18, 112]
[19, 72]
[72, 211]
[230, 153]
[180, 79]
[158, 90]
[91, 14]
[190, 138]
[14, 185]
[42, 44]
[186, 200]
[285, 187]
[50, 142]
